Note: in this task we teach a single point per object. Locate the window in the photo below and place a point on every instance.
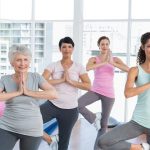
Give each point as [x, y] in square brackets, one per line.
[140, 9]
[18, 9]
[54, 9]
[105, 9]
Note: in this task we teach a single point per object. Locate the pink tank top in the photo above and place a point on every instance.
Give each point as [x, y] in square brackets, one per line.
[2, 107]
[103, 80]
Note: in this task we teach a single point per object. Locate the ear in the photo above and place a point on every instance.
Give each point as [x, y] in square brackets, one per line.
[142, 47]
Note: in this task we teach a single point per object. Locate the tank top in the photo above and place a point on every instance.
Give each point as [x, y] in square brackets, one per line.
[141, 113]
[103, 80]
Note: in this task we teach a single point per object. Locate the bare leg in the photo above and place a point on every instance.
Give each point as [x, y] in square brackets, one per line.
[136, 147]
[47, 138]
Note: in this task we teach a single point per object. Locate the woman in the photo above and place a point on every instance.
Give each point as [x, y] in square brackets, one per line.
[65, 75]
[22, 119]
[103, 88]
[140, 122]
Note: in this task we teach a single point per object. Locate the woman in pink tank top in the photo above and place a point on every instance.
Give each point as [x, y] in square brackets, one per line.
[102, 88]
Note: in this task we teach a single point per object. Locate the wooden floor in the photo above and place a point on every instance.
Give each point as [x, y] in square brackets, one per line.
[82, 138]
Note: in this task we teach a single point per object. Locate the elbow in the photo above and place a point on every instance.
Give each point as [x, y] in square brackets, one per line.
[127, 94]
[53, 95]
[88, 87]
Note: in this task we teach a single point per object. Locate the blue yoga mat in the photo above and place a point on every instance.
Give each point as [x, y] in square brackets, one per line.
[50, 126]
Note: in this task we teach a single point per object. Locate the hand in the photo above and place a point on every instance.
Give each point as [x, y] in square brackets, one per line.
[110, 58]
[20, 90]
[67, 78]
[25, 90]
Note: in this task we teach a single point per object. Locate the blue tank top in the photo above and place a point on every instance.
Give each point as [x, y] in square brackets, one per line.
[141, 113]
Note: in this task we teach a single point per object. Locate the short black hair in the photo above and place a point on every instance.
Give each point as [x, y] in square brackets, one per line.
[66, 40]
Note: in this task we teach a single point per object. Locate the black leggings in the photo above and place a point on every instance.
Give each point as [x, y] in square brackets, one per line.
[8, 140]
[66, 119]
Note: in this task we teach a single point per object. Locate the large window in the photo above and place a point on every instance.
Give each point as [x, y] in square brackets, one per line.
[15, 9]
[105, 9]
[40, 24]
[54, 9]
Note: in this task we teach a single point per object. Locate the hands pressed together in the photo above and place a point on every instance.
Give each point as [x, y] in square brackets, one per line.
[108, 58]
[22, 85]
[66, 77]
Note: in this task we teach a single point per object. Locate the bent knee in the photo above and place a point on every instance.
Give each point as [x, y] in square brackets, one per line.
[102, 142]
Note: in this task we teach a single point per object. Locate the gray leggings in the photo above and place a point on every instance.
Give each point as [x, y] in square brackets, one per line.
[91, 97]
[116, 138]
[8, 140]
[66, 119]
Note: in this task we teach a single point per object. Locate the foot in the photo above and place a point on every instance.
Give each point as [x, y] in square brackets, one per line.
[55, 138]
[97, 121]
[145, 146]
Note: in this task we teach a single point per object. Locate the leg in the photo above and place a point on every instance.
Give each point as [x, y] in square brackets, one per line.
[88, 98]
[107, 104]
[66, 120]
[29, 142]
[48, 112]
[7, 140]
[115, 139]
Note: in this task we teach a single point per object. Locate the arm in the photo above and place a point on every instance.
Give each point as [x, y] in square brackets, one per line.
[7, 96]
[119, 64]
[48, 92]
[47, 75]
[84, 84]
[92, 64]
[130, 90]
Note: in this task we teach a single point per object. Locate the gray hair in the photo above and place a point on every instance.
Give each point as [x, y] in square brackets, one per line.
[18, 49]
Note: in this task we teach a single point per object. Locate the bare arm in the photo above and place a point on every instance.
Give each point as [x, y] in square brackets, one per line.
[7, 96]
[117, 62]
[47, 75]
[130, 90]
[84, 84]
[92, 64]
[48, 92]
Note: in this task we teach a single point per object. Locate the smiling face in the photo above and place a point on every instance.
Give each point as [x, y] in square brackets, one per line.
[146, 48]
[104, 45]
[21, 63]
[66, 50]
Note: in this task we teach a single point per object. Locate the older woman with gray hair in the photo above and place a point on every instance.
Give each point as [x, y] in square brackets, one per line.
[22, 119]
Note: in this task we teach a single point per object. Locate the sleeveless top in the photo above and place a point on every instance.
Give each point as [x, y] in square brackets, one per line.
[103, 80]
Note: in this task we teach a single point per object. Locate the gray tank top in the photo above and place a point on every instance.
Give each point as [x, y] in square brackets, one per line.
[22, 114]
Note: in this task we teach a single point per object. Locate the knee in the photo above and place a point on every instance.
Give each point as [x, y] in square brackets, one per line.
[80, 109]
[102, 142]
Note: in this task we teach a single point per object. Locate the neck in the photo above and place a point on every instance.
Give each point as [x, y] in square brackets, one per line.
[17, 75]
[66, 61]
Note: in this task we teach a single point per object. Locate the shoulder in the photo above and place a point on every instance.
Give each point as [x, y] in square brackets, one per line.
[52, 66]
[133, 70]
[34, 75]
[5, 77]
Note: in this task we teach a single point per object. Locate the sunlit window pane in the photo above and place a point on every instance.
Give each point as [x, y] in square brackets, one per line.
[53, 9]
[15, 9]
[140, 9]
[105, 9]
